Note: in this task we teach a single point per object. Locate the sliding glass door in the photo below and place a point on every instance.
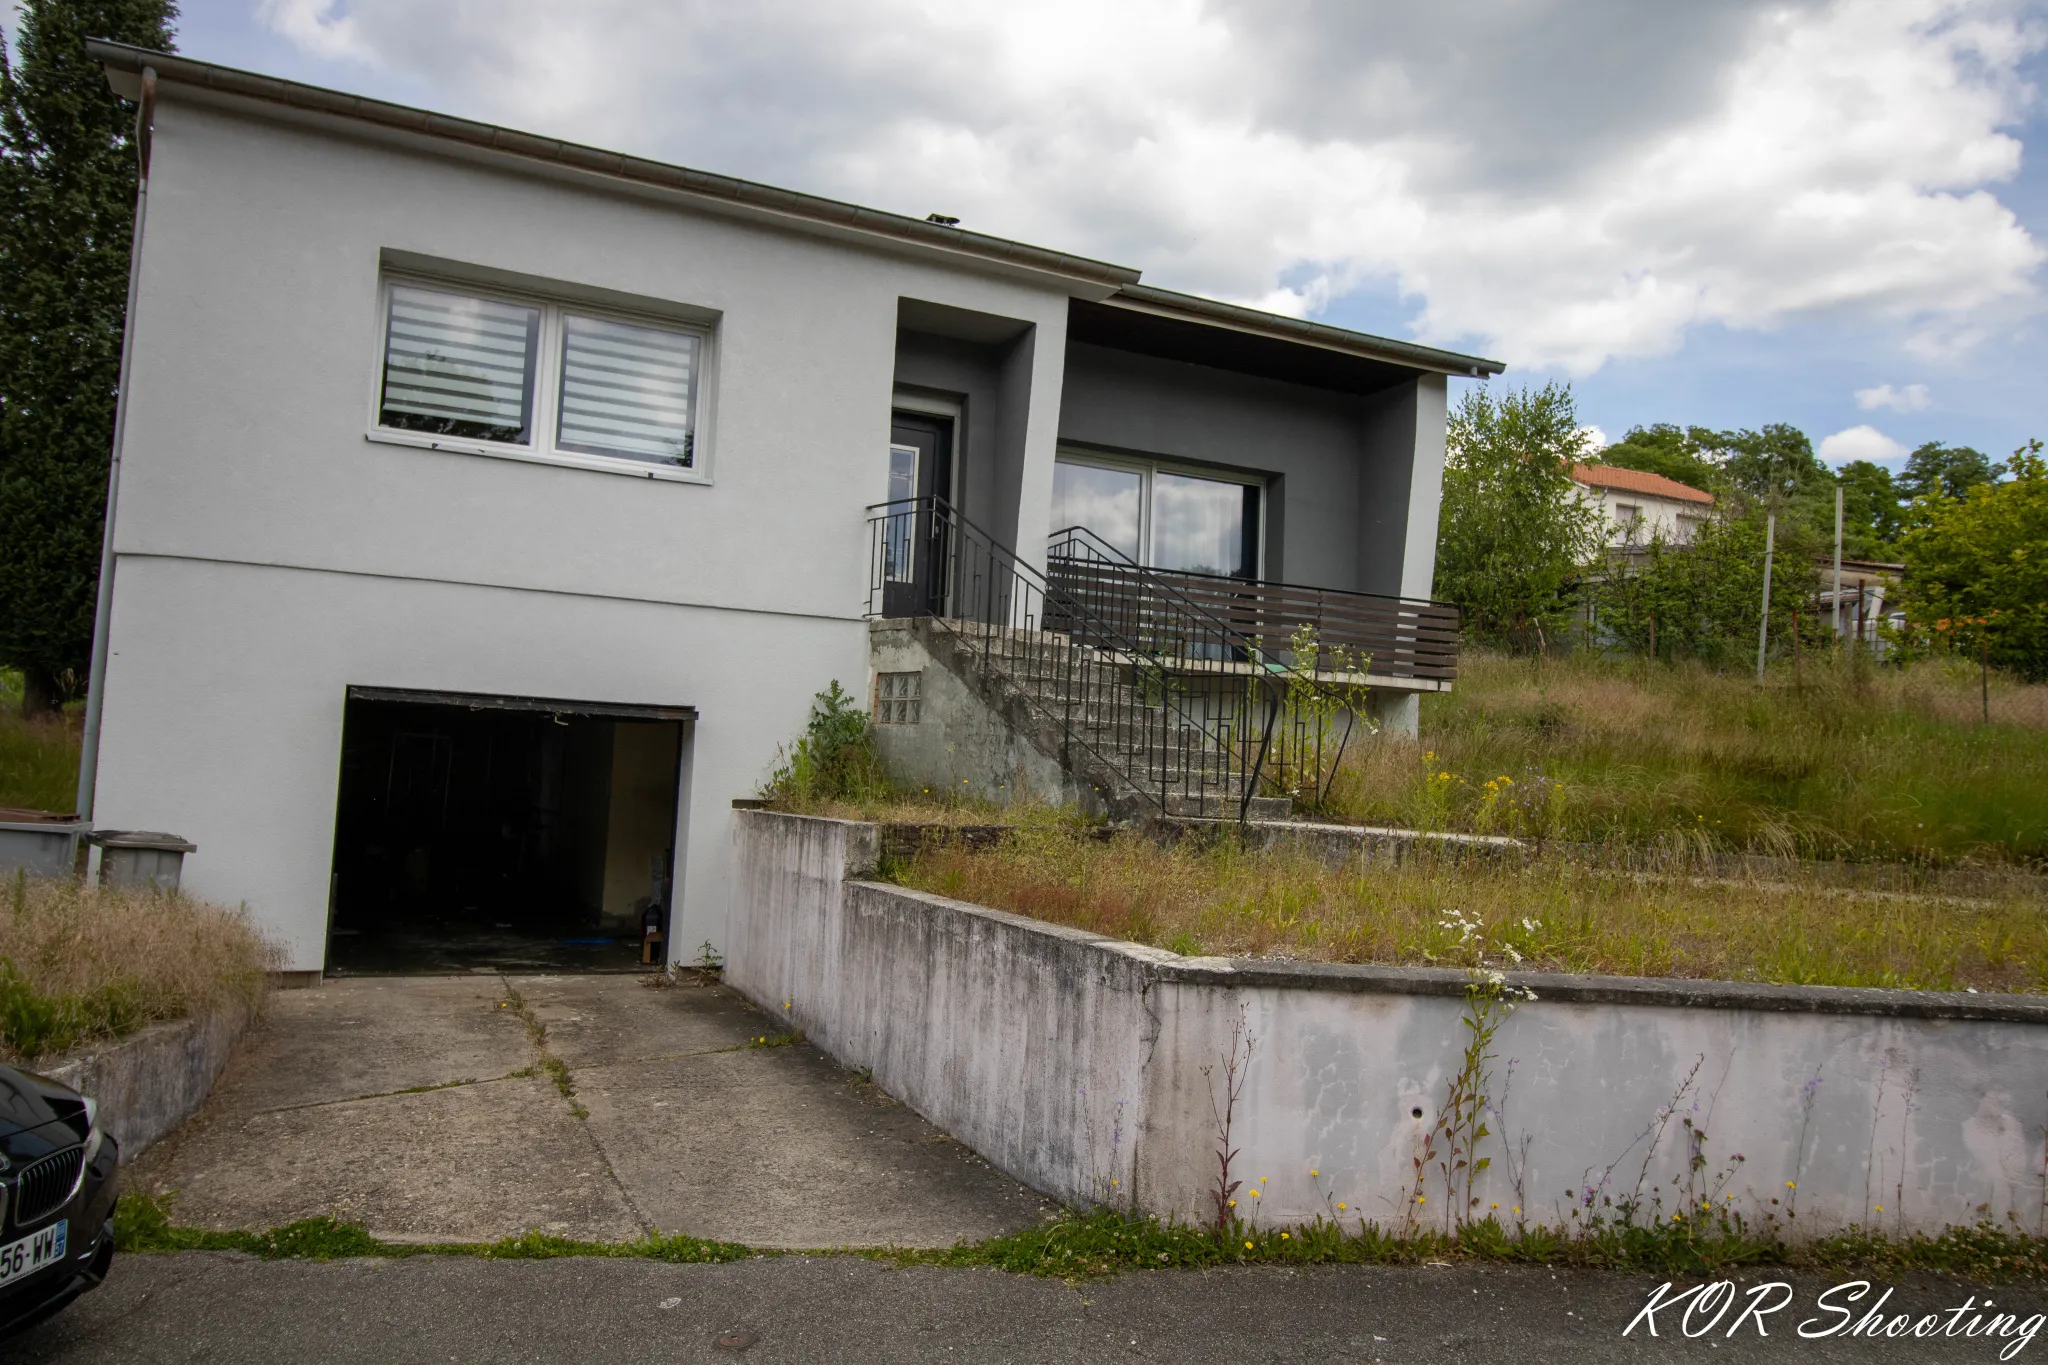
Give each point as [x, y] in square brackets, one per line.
[1162, 517]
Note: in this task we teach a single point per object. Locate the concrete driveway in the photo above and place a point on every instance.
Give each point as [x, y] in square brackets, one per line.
[432, 1108]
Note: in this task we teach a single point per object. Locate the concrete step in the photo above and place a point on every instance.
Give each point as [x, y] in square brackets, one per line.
[1223, 806]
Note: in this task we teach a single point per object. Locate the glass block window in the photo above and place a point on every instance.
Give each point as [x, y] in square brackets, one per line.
[898, 697]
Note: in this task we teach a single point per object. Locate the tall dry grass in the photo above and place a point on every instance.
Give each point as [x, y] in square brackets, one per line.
[1553, 914]
[80, 965]
[1847, 759]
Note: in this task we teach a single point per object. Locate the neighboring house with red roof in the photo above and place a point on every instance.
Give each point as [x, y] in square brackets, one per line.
[1640, 506]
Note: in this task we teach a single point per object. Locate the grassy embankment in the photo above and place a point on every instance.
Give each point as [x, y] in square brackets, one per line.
[1850, 760]
[1552, 914]
[80, 966]
[38, 758]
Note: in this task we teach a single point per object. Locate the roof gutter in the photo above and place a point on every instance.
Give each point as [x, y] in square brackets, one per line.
[124, 65]
[1169, 303]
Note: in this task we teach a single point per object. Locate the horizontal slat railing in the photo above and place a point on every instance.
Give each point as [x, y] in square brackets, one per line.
[1182, 685]
[1397, 637]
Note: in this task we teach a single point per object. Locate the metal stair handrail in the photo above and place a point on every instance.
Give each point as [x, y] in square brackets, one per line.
[929, 560]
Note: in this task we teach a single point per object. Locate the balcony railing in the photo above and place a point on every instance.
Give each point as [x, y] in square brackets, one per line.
[1384, 639]
[1213, 690]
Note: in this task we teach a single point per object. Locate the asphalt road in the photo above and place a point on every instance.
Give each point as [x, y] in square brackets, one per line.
[226, 1309]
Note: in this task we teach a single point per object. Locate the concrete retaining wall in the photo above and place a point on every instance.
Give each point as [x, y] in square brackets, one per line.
[151, 1082]
[1077, 1064]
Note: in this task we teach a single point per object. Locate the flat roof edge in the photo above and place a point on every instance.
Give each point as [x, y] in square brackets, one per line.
[1168, 302]
[120, 57]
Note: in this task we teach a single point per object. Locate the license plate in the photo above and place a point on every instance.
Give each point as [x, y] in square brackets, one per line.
[31, 1253]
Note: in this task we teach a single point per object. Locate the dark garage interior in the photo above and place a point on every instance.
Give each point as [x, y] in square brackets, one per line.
[489, 831]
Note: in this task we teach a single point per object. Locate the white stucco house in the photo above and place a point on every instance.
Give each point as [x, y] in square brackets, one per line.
[1640, 507]
[488, 510]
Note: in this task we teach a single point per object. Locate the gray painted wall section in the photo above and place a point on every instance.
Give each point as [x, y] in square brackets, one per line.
[1340, 492]
[1074, 1063]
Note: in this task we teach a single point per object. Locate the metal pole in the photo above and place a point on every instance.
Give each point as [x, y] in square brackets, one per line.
[1838, 564]
[1763, 630]
[103, 606]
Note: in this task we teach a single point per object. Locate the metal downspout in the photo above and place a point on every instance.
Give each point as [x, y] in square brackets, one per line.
[102, 614]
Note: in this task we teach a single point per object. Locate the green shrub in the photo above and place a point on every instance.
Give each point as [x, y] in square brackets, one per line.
[834, 759]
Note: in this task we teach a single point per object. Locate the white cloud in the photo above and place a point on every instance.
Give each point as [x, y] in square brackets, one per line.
[314, 27]
[1859, 443]
[1595, 439]
[1558, 185]
[1911, 398]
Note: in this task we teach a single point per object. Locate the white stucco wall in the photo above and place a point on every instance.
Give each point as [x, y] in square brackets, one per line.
[1076, 1064]
[1669, 518]
[269, 556]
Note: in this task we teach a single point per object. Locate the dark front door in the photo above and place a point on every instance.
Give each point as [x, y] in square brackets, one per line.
[920, 471]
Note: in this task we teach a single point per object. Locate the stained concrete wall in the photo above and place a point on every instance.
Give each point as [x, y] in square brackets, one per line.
[148, 1084]
[1075, 1063]
[963, 745]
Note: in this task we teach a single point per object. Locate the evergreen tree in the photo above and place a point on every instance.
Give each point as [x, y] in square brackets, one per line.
[67, 204]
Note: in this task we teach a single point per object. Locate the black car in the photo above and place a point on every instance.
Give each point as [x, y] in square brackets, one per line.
[58, 1183]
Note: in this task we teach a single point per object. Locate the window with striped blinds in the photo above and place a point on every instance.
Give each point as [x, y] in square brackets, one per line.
[459, 366]
[627, 391]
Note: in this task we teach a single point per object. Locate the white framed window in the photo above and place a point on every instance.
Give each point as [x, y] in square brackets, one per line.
[462, 367]
[1162, 515]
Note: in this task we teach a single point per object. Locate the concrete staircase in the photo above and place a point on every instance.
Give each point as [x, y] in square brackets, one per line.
[1101, 715]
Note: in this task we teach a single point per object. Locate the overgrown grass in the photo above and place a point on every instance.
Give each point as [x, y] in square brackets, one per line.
[38, 758]
[934, 808]
[1849, 759]
[1553, 913]
[1106, 1242]
[80, 965]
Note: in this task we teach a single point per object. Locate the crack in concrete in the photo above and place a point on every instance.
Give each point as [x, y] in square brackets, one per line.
[564, 1080]
[518, 1075]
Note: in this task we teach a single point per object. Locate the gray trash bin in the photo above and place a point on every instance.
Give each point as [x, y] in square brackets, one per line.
[140, 857]
[45, 845]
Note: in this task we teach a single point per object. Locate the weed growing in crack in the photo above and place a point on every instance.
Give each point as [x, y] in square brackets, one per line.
[549, 1065]
[1236, 1064]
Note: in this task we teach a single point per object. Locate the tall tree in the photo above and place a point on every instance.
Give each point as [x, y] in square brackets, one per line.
[1678, 453]
[1942, 471]
[1514, 532]
[1871, 519]
[67, 204]
[1977, 571]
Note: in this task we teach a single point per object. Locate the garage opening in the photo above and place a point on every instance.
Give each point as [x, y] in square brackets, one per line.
[481, 831]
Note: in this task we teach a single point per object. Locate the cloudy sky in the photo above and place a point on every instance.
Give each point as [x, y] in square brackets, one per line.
[1719, 212]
